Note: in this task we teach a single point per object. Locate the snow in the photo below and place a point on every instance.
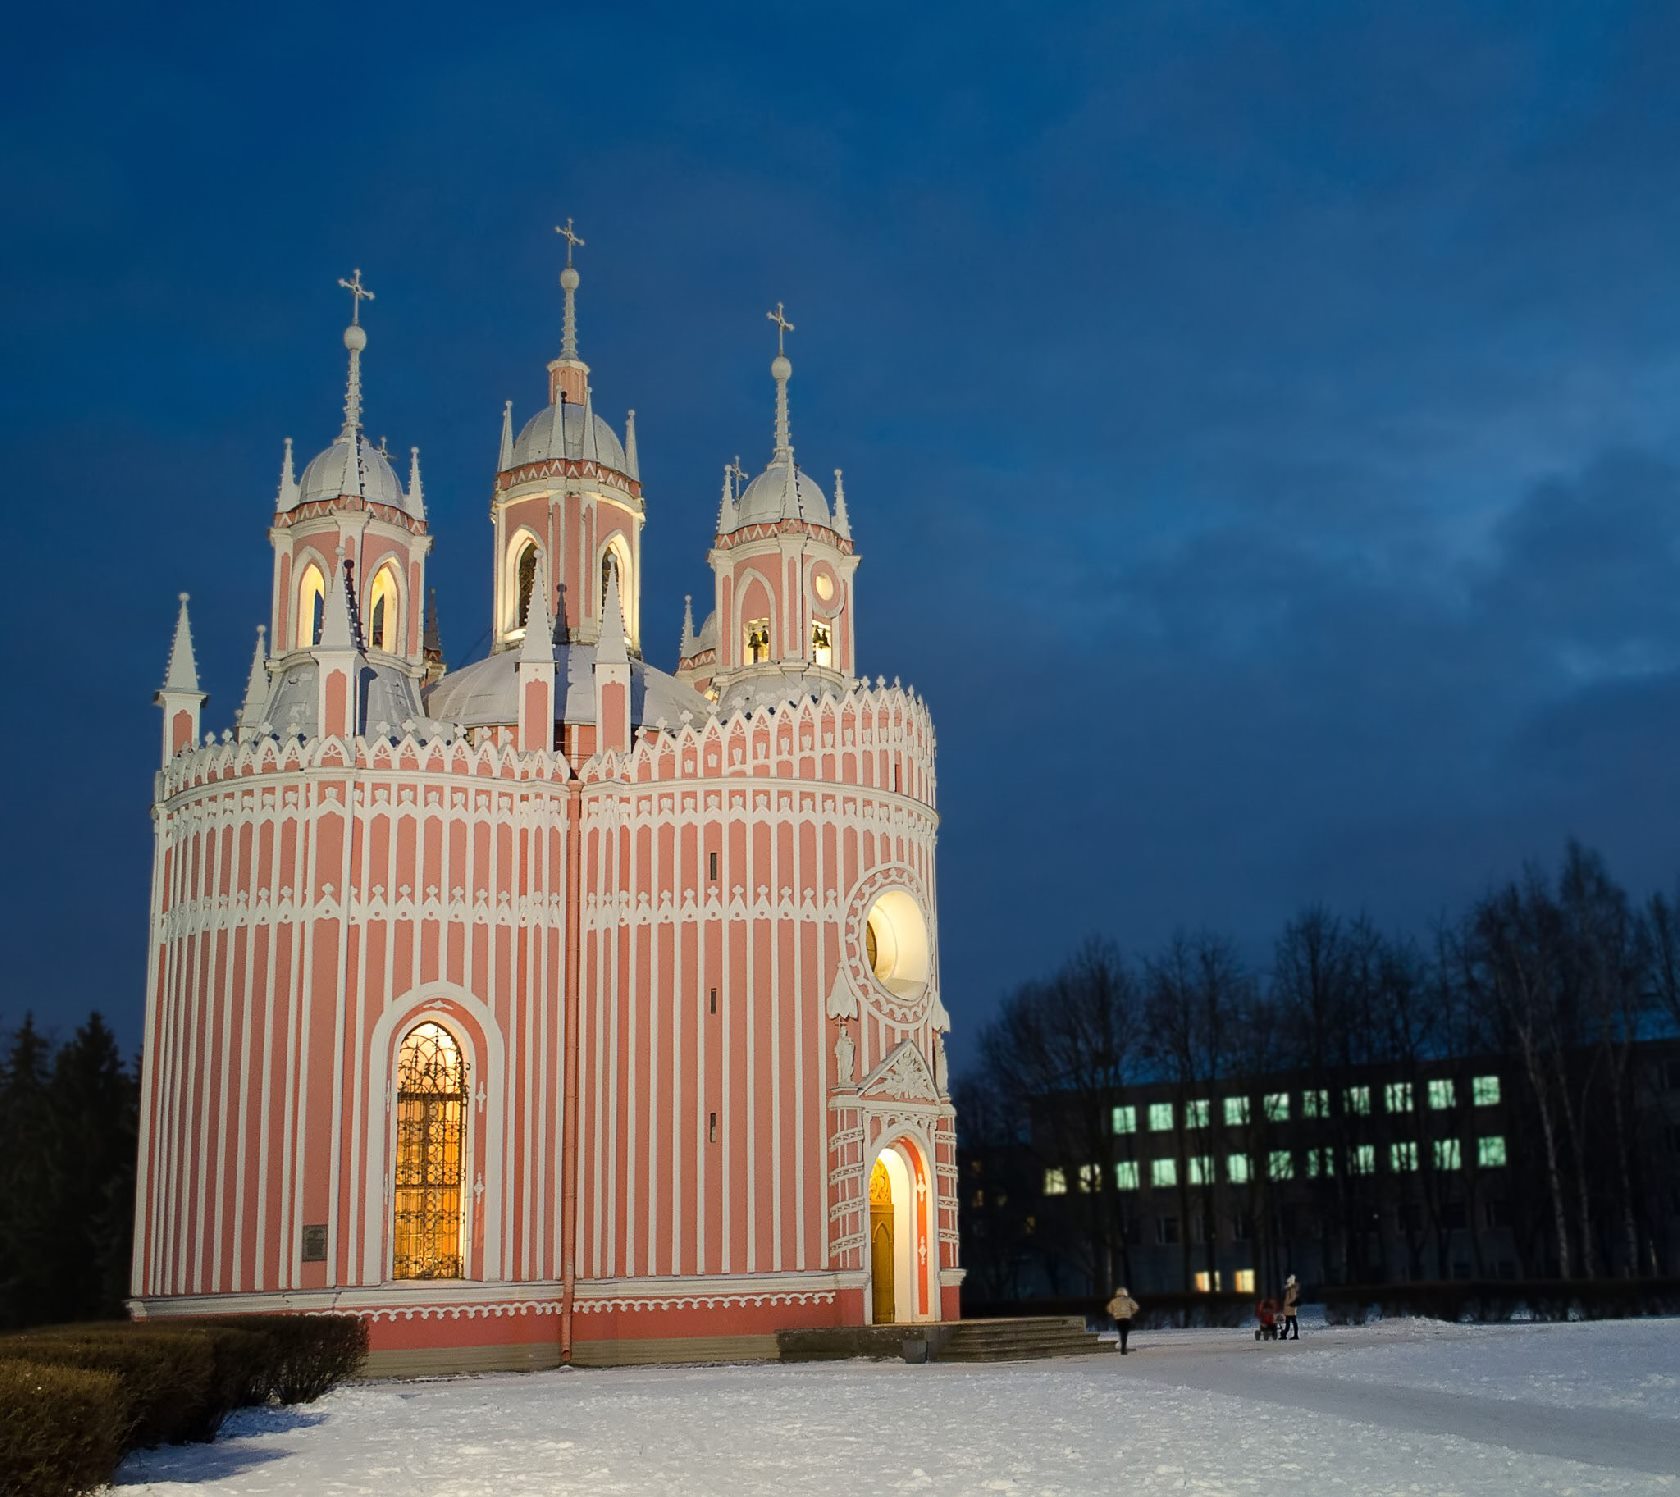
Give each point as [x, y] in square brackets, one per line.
[1407, 1407]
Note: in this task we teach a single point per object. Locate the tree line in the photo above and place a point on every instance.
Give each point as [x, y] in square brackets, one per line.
[1555, 979]
[69, 1117]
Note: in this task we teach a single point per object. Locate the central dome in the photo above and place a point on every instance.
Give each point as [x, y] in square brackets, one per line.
[782, 491]
[333, 474]
[586, 437]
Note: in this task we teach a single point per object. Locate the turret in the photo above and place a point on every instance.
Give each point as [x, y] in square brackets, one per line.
[180, 698]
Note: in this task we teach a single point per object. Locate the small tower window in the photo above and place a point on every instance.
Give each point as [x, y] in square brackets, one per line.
[758, 641]
[382, 612]
[526, 573]
[822, 642]
[312, 602]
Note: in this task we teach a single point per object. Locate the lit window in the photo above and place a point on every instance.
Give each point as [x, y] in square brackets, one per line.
[525, 575]
[1236, 1168]
[1320, 1162]
[1055, 1183]
[312, 595]
[757, 641]
[1446, 1154]
[1397, 1096]
[1362, 1159]
[427, 1200]
[1204, 1282]
[1126, 1175]
[1163, 1172]
[1277, 1107]
[1090, 1178]
[1243, 1281]
[1125, 1120]
[1442, 1095]
[822, 643]
[1201, 1169]
[382, 614]
[1160, 1117]
[1485, 1091]
[1196, 1113]
[1315, 1104]
[1490, 1152]
[1236, 1112]
[1280, 1166]
[1402, 1157]
[1358, 1099]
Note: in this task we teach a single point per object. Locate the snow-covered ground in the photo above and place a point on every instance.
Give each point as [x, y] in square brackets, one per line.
[1409, 1407]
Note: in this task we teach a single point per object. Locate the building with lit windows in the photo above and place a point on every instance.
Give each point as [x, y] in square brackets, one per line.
[1393, 1174]
[556, 1007]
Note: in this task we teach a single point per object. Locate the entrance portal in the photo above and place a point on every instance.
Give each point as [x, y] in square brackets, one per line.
[880, 1245]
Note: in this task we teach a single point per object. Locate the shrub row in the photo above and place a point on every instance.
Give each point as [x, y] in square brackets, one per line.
[129, 1386]
[1492, 1300]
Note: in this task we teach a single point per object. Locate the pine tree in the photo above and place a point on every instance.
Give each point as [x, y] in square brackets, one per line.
[27, 1185]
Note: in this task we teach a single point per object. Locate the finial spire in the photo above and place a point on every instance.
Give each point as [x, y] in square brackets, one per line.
[610, 650]
[538, 644]
[256, 687]
[842, 521]
[781, 370]
[416, 490]
[685, 646]
[632, 459]
[569, 284]
[355, 339]
[287, 495]
[504, 459]
[182, 674]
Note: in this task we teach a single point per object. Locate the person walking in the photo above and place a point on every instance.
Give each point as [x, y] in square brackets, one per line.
[1291, 1302]
[1122, 1307]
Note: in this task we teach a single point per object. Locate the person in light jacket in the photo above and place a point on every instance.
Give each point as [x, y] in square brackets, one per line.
[1122, 1307]
[1291, 1302]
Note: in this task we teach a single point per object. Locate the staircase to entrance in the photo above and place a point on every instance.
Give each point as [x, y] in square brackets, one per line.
[1020, 1339]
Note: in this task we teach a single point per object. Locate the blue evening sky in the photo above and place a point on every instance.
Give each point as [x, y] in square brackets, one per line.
[1261, 423]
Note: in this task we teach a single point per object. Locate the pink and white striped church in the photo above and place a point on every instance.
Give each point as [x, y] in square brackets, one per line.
[556, 1008]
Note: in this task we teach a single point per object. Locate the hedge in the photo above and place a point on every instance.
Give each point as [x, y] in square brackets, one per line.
[1488, 1300]
[135, 1385]
[60, 1432]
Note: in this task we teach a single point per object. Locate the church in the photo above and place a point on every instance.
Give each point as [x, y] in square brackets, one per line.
[555, 1008]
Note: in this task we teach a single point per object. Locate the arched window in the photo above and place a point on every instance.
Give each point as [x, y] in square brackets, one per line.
[382, 611]
[427, 1217]
[525, 575]
[312, 601]
[757, 641]
[822, 642]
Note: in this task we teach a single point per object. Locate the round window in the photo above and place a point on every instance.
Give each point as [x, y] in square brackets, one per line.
[896, 943]
[824, 585]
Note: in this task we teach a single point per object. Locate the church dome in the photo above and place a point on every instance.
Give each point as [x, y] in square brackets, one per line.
[333, 474]
[586, 437]
[782, 491]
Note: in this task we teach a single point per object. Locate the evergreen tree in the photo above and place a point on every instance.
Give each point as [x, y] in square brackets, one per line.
[27, 1185]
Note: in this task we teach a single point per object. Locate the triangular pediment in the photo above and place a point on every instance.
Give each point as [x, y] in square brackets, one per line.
[903, 1074]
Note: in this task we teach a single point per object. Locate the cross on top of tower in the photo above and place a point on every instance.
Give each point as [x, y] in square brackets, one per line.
[358, 294]
[573, 239]
[783, 327]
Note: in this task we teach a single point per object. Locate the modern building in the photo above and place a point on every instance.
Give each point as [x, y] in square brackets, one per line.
[555, 1008]
[1394, 1173]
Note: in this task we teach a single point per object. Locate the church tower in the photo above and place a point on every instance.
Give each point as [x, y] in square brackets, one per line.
[567, 492]
[783, 565]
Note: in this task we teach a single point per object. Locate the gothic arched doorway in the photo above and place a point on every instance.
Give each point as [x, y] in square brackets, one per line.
[899, 1246]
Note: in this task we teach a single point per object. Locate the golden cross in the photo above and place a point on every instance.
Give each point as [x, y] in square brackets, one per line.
[358, 294]
[571, 236]
[783, 326]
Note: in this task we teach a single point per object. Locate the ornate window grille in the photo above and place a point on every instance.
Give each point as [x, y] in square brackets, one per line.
[431, 1145]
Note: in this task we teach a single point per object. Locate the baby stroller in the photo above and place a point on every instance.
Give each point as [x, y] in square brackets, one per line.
[1267, 1311]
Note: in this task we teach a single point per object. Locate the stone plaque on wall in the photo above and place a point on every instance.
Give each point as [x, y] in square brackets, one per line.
[315, 1243]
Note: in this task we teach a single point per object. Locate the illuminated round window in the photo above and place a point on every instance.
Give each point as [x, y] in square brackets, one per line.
[824, 585]
[896, 944]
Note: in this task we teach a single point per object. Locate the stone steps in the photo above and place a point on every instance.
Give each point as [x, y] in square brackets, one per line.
[1027, 1339]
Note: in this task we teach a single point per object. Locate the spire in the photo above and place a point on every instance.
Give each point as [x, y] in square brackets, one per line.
[416, 493]
[781, 370]
[726, 500]
[569, 284]
[632, 462]
[355, 339]
[538, 644]
[288, 492]
[339, 629]
[589, 444]
[842, 521]
[256, 686]
[685, 646]
[610, 650]
[504, 459]
[182, 674]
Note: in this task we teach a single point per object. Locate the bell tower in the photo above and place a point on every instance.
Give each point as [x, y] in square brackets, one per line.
[783, 565]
